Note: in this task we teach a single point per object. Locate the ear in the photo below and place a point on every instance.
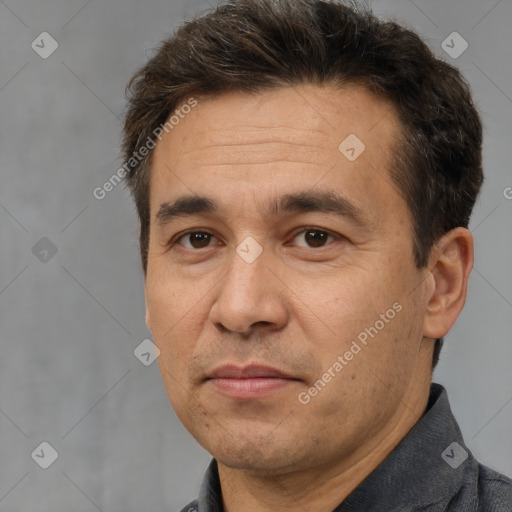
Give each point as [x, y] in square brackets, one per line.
[451, 262]
[148, 316]
[148, 319]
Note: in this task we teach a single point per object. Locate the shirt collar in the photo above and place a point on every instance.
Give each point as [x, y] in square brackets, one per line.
[414, 474]
[210, 496]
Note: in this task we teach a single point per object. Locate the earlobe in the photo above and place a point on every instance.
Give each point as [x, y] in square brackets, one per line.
[148, 319]
[451, 263]
[148, 316]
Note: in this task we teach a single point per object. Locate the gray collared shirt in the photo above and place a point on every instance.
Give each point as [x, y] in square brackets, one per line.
[430, 470]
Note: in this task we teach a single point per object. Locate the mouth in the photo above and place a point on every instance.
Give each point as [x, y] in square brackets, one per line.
[249, 382]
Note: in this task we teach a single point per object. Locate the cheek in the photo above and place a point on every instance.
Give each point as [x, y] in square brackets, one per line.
[358, 315]
[175, 309]
[344, 302]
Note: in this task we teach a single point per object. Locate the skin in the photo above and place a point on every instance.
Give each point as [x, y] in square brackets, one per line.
[297, 307]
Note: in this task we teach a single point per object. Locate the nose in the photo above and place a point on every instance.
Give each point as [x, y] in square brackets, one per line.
[251, 298]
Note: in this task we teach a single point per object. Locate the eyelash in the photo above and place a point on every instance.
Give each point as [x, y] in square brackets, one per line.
[176, 240]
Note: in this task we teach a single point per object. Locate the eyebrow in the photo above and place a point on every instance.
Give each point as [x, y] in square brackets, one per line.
[300, 202]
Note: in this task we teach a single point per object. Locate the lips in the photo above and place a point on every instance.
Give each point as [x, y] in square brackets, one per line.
[247, 372]
[249, 382]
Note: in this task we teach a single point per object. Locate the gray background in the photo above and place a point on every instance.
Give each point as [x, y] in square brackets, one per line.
[69, 325]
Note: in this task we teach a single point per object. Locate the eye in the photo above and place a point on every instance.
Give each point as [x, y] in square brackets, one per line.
[312, 237]
[195, 240]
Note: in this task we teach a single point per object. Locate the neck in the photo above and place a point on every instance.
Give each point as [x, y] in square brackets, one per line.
[321, 489]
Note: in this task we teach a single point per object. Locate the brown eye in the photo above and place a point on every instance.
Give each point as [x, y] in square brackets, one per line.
[196, 240]
[313, 238]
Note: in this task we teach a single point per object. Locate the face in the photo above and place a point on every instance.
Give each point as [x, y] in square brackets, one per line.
[281, 288]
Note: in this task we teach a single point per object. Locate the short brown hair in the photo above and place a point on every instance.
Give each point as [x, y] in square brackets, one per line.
[252, 45]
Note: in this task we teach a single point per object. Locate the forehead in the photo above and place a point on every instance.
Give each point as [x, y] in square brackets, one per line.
[303, 114]
[272, 141]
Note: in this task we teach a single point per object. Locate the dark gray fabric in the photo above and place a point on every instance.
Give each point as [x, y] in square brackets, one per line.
[416, 476]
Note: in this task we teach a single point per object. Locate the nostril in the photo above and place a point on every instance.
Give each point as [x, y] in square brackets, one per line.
[261, 323]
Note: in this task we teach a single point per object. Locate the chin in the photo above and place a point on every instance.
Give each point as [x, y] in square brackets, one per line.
[257, 453]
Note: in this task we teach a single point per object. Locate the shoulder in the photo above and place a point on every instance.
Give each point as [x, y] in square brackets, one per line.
[191, 507]
[482, 489]
[495, 490]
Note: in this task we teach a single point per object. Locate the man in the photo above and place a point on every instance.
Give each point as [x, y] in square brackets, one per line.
[304, 175]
